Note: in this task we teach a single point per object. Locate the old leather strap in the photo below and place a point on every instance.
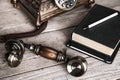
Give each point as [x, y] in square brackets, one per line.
[37, 31]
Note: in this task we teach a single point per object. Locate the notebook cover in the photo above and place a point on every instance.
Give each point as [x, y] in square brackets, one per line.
[106, 33]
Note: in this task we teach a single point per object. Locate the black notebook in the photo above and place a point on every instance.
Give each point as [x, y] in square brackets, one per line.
[98, 34]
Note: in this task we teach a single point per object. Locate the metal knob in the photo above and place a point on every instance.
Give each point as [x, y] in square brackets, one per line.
[15, 52]
[66, 4]
[15, 3]
[77, 66]
[89, 3]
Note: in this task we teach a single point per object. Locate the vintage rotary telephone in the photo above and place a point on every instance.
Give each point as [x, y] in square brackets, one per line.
[76, 66]
[41, 11]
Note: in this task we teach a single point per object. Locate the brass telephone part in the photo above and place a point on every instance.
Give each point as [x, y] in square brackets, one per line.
[41, 11]
[76, 66]
[15, 3]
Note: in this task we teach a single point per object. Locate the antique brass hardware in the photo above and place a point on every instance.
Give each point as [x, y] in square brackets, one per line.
[76, 66]
[42, 10]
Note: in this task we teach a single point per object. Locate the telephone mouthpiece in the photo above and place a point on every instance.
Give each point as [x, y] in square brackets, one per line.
[15, 52]
[77, 66]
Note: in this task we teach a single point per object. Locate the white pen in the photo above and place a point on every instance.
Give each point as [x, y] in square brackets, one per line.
[101, 20]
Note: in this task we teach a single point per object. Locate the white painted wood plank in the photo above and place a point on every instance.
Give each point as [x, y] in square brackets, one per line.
[5, 6]
[11, 21]
[97, 70]
[108, 3]
[25, 71]
[28, 65]
[42, 39]
[32, 75]
[32, 62]
[48, 39]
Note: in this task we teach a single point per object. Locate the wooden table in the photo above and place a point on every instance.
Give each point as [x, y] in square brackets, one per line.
[56, 35]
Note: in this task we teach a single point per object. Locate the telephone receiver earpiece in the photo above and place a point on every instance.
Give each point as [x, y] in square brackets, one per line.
[15, 50]
[76, 66]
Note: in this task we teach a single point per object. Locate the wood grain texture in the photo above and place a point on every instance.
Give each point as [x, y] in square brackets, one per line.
[56, 35]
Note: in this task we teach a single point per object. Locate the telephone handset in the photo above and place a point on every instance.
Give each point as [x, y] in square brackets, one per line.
[76, 66]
